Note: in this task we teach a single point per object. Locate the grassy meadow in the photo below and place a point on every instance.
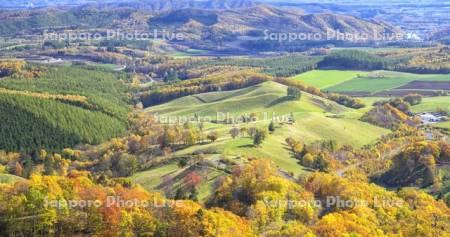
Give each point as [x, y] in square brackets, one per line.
[358, 81]
[323, 79]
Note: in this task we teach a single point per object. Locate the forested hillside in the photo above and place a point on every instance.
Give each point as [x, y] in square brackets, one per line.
[30, 123]
[62, 107]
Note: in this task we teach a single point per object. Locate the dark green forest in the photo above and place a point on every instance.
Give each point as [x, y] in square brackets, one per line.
[359, 60]
[283, 66]
[39, 112]
[30, 123]
[105, 89]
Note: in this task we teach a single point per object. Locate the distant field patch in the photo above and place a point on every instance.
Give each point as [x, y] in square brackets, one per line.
[445, 125]
[379, 81]
[427, 85]
[327, 78]
[432, 104]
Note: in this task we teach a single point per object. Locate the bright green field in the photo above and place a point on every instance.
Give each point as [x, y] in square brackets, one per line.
[443, 125]
[431, 104]
[327, 78]
[383, 80]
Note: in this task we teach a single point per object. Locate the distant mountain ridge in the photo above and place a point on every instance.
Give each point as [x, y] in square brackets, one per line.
[153, 5]
[261, 19]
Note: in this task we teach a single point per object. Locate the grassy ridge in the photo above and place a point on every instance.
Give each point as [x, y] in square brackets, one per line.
[269, 97]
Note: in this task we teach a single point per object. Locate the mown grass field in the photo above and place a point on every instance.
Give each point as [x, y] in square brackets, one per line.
[384, 80]
[369, 82]
[323, 79]
[431, 104]
[188, 53]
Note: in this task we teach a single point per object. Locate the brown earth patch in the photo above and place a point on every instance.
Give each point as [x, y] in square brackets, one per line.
[426, 85]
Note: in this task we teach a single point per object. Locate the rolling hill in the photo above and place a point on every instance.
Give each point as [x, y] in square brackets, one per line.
[316, 119]
[264, 98]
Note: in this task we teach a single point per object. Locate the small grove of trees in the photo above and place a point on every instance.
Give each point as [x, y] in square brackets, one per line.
[272, 126]
[413, 99]
[213, 136]
[171, 76]
[315, 156]
[356, 59]
[346, 101]
[259, 136]
[8, 68]
[416, 165]
[294, 93]
[234, 132]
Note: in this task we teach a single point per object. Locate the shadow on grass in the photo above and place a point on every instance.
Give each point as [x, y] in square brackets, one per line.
[247, 146]
[280, 100]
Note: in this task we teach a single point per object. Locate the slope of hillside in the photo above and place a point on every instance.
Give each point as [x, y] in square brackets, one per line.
[63, 107]
[103, 89]
[316, 119]
[264, 98]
